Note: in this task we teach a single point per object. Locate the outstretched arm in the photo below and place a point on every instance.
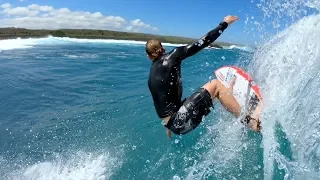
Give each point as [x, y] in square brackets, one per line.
[191, 49]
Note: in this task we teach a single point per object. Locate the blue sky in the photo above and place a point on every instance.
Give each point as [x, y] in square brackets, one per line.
[188, 18]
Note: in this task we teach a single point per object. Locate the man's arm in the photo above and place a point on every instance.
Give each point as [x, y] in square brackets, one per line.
[191, 49]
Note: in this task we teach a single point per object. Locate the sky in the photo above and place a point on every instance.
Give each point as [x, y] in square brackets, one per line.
[187, 18]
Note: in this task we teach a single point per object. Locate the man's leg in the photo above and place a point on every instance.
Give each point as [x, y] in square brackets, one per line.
[225, 96]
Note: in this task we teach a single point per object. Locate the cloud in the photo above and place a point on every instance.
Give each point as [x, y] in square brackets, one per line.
[6, 5]
[139, 24]
[40, 8]
[19, 11]
[36, 16]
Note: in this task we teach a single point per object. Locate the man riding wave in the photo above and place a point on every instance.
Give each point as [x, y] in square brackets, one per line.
[165, 85]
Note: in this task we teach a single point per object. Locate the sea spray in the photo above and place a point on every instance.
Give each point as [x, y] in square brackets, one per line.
[287, 66]
[76, 166]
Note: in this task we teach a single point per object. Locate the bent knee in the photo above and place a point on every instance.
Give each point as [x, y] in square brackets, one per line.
[212, 87]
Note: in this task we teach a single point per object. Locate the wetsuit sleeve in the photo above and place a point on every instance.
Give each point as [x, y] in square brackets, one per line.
[183, 52]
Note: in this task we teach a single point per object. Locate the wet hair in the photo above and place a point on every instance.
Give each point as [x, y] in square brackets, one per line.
[154, 48]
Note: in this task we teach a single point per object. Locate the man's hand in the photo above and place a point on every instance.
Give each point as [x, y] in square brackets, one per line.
[230, 19]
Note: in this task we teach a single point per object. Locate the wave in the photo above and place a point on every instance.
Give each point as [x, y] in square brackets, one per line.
[19, 43]
[243, 48]
[80, 166]
[288, 68]
[16, 44]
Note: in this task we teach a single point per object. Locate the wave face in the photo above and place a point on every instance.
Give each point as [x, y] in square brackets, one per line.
[287, 66]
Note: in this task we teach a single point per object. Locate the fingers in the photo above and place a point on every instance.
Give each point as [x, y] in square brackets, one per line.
[230, 19]
[233, 81]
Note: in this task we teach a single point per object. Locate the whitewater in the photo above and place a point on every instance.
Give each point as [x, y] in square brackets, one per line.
[19, 43]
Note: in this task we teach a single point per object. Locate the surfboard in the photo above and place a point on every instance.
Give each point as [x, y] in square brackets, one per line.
[245, 90]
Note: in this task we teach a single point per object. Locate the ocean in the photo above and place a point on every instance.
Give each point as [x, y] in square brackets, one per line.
[76, 109]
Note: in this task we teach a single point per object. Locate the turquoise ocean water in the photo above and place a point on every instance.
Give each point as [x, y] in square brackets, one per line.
[81, 109]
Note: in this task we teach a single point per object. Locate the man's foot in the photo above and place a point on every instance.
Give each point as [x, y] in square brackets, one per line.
[252, 123]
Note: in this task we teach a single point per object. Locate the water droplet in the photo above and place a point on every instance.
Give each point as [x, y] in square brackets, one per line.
[171, 83]
[220, 31]
[134, 147]
[222, 57]
[176, 141]
[176, 177]
[163, 123]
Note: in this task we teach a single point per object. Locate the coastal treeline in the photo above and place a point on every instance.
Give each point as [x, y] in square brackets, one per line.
[10, 33]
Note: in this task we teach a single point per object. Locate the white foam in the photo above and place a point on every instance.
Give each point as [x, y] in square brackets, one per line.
[243, 48]
[80, 166]
[224, 143]
[31, 42]
[16, 44]
[313, 4]
[109, 41]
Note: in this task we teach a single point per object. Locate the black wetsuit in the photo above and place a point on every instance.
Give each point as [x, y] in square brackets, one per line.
[166, 87]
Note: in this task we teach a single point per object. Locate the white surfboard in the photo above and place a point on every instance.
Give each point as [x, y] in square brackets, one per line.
[245, 91]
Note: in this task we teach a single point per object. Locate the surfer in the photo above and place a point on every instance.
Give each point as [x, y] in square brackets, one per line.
[165, 85]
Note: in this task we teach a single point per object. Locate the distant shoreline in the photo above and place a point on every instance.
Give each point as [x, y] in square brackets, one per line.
[13, 33]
